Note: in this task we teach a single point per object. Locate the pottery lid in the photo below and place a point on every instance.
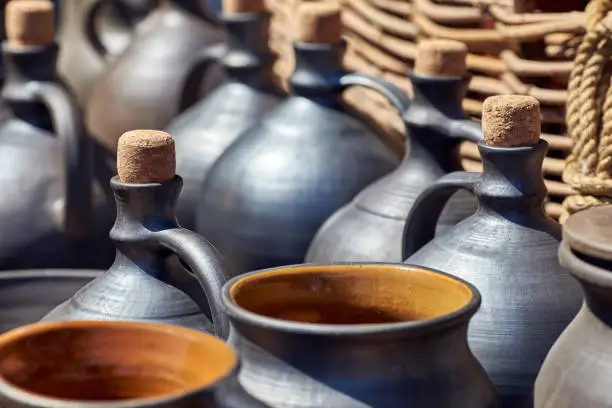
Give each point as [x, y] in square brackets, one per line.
[511, 121]
[318, 23]
[441, 58]
[590, 232]
[145, 156]
[30, 22]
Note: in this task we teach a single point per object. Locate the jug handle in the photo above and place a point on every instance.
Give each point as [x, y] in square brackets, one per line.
[201, 65]
[203, 260]
[421, 223]
[92, 14]
[465, 129]
[78, 156]
[398, 99]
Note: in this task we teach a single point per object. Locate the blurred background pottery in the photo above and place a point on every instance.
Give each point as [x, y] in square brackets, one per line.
[577, 368]
[370, 227]
[264, 199]
[117, 365]
[206, 130]
[508, 249]
[148, 281]
[347, 335]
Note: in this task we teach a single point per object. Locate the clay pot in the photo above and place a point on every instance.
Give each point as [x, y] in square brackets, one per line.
[508, 249]
[207, 129]
[266, 197]
[159, 73]
[26, 296]
[117, 365]
[48, 219]
[91, 33]
[370, 227]
[347, 335]
[577, 367]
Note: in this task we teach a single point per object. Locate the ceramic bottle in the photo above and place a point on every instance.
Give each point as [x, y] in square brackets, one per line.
[158, 75]
[346, 335]
[508, 249]
[207, 129]
[47, 217]
[370, 227]
[90, 33]
[89, 364]
[149, 280]
[577, 368]
[264, 199]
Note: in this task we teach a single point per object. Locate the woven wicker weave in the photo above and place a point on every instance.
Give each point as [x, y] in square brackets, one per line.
[514, 48]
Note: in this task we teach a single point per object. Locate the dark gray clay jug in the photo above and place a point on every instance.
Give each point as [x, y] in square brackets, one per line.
[93, 364]
[91, 32]
[346, 335]
[47, 166]
[203, 132]
[508, 249]
[370, 227]
[148, 281]
[268, 194]
[158, 75]
[579, 365]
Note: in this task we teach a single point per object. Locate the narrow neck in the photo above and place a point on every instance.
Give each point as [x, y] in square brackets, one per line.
[512, 182]
[441, 94]
[318, 69]
[247, 59]
[25, 66]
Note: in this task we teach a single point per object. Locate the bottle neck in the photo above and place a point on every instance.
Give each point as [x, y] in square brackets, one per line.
[318, 69]
[25, 66]
[441, 94]
[192, 6]
[247, 59]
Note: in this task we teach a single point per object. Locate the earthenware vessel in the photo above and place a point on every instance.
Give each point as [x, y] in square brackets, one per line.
[117, 365]
[346, 335]
[370, 227]
[91, 33]
[47, 218]
[26, 296]
[575, 371]
[147, 281]
[265, 198]
[209, 127]
[508, 249]
[158, 75]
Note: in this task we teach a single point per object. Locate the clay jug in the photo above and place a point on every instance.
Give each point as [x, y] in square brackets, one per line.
[45, 157]
[347, 335]
[370, 227]
[118, 365]
[578, 366]
[206, 129]
[508, 249]
[265, 198]
[27, 296]
[157, 76]
[91, 33]
[147, 280]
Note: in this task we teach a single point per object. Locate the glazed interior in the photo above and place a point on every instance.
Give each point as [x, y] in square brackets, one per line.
[111, 361]
[351, 294]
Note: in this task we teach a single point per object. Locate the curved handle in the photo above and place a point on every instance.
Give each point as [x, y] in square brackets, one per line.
[78, 156]
[465, 129]
[92, 14]
[394, 95]
[200, 67]
[203, 260]
[421, 224]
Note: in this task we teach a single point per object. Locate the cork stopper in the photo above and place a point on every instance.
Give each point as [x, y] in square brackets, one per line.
[318, 23]
[30, 22]
[145, 156]
[511, 121]
[441, 58]
[243, 6]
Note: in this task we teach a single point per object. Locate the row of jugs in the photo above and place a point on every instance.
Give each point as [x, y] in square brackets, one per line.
[263, 200]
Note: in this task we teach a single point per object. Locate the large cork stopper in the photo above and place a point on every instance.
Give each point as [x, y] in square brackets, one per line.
[145, 156]
[243, 6]
[441, 58]
[30, 22]
[318, 23]
[511, 121]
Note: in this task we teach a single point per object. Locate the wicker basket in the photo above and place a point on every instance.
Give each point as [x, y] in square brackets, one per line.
[515, 47]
